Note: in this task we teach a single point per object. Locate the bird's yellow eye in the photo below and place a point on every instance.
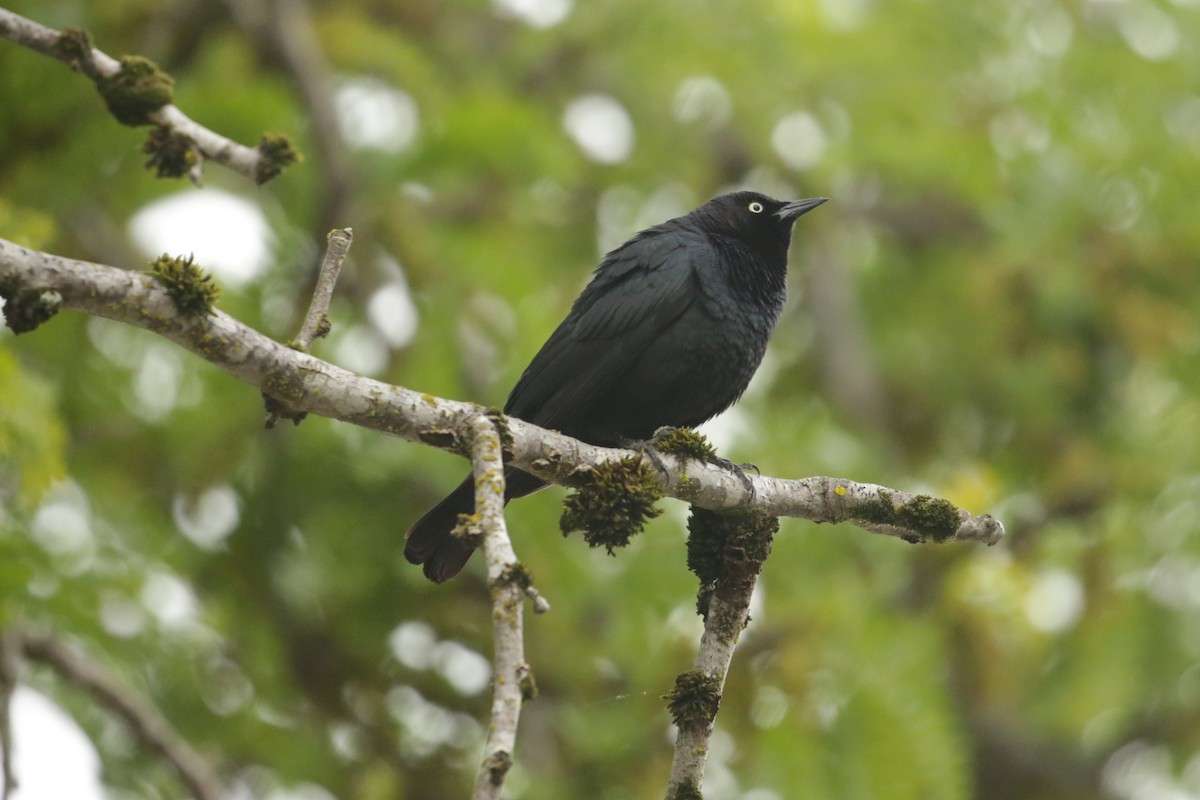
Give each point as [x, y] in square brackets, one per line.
[756, 207]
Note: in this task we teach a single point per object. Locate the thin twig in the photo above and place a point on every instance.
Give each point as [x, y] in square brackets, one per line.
[540, 604]
[97, 65]
[508, 582]
[316, 321]
[318, 387]
[147, 723]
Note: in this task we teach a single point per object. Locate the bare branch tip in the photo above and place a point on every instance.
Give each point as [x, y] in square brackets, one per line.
[317, 324]
[983, 528]
[540, 604]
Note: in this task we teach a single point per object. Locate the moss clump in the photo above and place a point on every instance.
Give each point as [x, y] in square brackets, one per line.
[707, 532]
[517, 575]
[137, 91]
[498, 765]
[25, 309]
[276, 410]
[529, 688]
[172, 154]
[469, 529]
[695, 699]
[324, 326]
[276, 153]
[686, 791]
[501, 422]
[881, 510]
[684, 443]
[191, 288]
[929, 518]
[726, 549]
[282, 390]
[612, 503]
[936, 518]
[285, 384]
[74, 45]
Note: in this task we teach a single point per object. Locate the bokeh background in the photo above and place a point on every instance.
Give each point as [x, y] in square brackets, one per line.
[998, 306]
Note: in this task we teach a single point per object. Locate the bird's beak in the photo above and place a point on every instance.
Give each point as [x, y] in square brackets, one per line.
[798, 208]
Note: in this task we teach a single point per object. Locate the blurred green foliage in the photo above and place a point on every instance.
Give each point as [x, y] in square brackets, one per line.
[998, 307]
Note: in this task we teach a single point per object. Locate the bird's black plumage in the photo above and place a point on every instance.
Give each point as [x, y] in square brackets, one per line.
[669, 332]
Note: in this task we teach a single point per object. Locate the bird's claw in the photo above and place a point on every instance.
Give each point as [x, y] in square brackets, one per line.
[734, 466]
[737, 469]
[661, 432]
[647, 448]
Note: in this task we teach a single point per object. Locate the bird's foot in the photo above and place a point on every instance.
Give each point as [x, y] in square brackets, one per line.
[649, 448]
[683, 443]
[687, 444]
[661, 433]
[734, 466]
[738, 469]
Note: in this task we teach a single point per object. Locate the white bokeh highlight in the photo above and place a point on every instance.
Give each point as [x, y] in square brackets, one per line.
[169, 600]
[412, 644]
[601, 127]
[535, 13]
[799, 140]
[361, 349]
[52, 757]
[374, 115]
[207, 520]
[228, 235]
[393, 314]
[1054, 602]
[1148, 30]
[702, 99]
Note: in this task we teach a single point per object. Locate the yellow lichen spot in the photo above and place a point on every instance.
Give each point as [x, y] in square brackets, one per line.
[840, 491]
[429, 400]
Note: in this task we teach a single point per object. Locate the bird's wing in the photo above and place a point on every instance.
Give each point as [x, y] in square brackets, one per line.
[638, 291]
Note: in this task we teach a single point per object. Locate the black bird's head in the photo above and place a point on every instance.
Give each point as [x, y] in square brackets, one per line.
[754, 217]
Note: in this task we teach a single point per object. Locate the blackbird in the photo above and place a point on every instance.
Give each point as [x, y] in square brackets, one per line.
[668, 332]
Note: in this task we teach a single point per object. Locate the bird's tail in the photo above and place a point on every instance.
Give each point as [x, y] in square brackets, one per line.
[429, 539]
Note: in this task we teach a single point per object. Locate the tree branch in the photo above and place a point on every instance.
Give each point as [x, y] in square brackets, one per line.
[147, 723]
[316, 321]
[39, 284]
[727, 552]
[507, 579]
[191, 142]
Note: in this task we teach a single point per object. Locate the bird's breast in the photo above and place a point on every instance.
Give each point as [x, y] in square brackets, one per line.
[690, 372]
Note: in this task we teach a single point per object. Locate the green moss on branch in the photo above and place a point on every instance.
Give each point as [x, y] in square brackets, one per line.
[612, 502]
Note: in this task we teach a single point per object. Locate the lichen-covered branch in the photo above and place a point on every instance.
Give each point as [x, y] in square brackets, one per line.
[726, 551]
[508, 580]
[138, 92]
[36, 285]
[147, 724]
[316, 321]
